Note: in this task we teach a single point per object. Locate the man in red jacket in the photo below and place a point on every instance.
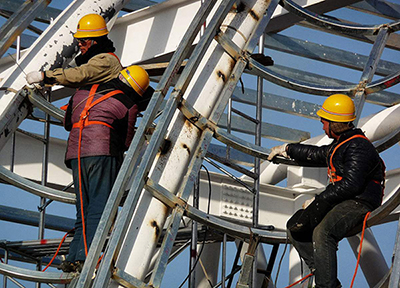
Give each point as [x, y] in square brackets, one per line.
[101, 118]
[356, 183]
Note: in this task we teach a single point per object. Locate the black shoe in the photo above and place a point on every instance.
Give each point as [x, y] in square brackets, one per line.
[67, 266]
[79, 266]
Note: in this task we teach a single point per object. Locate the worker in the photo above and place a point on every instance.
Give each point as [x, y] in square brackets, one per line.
[356, 182]
[101, 120]
[96, 63]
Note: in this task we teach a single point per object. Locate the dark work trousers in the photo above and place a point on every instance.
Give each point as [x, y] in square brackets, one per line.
[320, 254]
[98, 176]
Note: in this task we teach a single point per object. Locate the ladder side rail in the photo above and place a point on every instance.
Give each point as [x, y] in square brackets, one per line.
[184, 192]
[133, 153]
[157, 138]
[256, 6]
[194, 166]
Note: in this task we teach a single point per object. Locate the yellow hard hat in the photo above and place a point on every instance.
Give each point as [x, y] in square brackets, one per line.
[91, 25]
[338, 108]
[137, 77]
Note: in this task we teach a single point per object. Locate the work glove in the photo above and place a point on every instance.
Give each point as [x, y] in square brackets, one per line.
[34, 77]
[278, 150]
[307, 202]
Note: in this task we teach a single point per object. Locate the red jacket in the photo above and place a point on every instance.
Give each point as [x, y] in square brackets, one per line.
[114, 126]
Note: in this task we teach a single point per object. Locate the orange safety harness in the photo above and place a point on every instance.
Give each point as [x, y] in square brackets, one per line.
[82, 123]
[333, 177]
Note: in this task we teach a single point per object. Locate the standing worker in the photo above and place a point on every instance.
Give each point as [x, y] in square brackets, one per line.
[356, 183]
[97, 62]
[101, 119]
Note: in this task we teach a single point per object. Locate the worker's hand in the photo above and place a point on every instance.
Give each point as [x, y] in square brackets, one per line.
[307, 202]
[278, 150]
[34, 77]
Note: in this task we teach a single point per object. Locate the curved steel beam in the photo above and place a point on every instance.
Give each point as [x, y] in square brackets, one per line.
[262, 71]
[330, 24]
[236, 230]
[40, 102]
[310, 88]
[383, 83]
[35, 276]
[34, 188]
[385, 209]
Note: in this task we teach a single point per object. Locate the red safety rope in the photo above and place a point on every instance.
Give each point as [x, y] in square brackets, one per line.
[298, 281]
[58, 250]
[358, 258]
[359, 252]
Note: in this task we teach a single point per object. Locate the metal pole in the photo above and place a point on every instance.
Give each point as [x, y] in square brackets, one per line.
[228, 125]
[6, 262]
[193, 244]
[395, 276]
[18, 54]
[45, 161]
[223, 262]
[256, 159]
[369, 70]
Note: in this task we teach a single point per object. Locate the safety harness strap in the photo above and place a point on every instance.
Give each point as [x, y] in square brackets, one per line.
[83, 119]
[331, 169]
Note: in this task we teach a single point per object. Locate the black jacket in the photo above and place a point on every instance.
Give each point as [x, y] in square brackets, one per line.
[356, 161]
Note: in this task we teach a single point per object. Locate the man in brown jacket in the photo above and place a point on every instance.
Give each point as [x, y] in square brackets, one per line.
[97, 62]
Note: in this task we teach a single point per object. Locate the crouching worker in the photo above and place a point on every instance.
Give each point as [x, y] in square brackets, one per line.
[101, 118]
[356, 183]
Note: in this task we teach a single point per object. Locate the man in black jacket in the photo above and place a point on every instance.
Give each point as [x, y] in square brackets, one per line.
[356, 182]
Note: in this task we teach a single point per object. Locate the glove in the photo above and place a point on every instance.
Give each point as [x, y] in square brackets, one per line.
[307, 202]
[278, 150]
[34, 77]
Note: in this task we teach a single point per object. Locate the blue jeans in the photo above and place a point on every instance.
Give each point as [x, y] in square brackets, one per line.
[320, 254]
[98, 176]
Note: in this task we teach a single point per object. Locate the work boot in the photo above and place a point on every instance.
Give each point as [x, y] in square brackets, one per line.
[79, 266]
[67, 266]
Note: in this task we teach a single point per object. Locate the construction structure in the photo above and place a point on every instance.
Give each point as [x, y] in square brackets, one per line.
[229, 76]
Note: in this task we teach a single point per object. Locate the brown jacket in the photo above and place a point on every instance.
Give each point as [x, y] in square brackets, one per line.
[99, 69]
